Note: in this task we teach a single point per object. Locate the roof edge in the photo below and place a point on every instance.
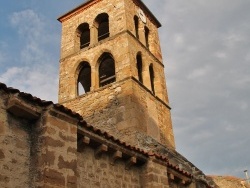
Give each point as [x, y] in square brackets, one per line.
[77, 9]
[145, 8]
[89, 3]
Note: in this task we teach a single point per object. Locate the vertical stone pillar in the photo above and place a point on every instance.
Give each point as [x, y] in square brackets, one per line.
[145, 73]
[142, 33]
[154, 175]
[158, 85]
[94, 81]
[93, 35]
[55, 153]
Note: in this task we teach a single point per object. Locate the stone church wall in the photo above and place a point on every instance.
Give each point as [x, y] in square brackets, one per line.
[14, 149]
[47, 145]
[101, 173]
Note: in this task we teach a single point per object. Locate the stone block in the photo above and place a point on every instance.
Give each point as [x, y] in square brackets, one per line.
[54, 177]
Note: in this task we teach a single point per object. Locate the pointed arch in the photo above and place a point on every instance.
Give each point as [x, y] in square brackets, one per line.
[106, 69]
[84, 78]
[102, 24]
[84, 35]
[139, 66]
[152, 77]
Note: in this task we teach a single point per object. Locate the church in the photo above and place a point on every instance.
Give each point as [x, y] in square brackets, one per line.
[112, 125]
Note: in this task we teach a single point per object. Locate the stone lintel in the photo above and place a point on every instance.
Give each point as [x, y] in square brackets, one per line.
[63, 116]
[22, 109]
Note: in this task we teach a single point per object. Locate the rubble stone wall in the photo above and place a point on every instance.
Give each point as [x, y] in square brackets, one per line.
[101, 173]
[124, 108]
[14, 149]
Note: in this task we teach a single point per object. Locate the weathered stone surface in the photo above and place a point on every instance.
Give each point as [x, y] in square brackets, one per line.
[2, 156]
[2, 128]
[54, 177]
[48, 158]
[67, 138]
[71, 181]
[52, 142]
[97, 173]
[4, 179]
[128, 106]
[72, 150]
[229, 182]
[67, 164]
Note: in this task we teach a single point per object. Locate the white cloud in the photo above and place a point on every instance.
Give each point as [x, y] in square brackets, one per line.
[35, 71]
[37, 80]
[232, 40]
[207, 45]
[3, 55]
[220, 55]
[199, 72]
[179, 40]
[28, 23]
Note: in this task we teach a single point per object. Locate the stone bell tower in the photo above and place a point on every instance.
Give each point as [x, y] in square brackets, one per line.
[111, 70]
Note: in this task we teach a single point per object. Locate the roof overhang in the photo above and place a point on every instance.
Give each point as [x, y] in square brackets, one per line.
[90, 3]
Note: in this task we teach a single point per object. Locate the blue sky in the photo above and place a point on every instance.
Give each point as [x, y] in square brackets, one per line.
[206, 50]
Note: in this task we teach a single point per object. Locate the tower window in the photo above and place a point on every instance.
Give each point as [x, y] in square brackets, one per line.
[152, 77]
[146, 36]
[139, 67]
[106, 70]
[102, 21]
[84, 34]
[136, 21]
[84, 78]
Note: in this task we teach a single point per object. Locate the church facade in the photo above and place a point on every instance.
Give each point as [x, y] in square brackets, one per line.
[112, 126]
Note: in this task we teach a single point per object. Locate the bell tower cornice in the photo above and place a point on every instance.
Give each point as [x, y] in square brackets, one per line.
[90, 3]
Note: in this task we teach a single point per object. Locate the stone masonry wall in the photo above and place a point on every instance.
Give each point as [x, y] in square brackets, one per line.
[128, 109]
[55, 149]
[154, 41]
[115, 10]
[47, 145]
[37, 152]
[122, 44]
[14, 149]
[125, 66]
[101, 173]
[121, 18]
[155, 175]
[124, 108]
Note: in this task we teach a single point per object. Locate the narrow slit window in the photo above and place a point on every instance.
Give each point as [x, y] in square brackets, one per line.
[106, 70]
[139, 67]
[152, 77]
[136, 21]
[84, 78]
[146, 36]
